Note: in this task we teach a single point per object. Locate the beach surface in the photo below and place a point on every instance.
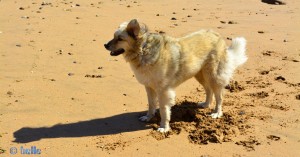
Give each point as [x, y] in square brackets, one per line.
[62, 94]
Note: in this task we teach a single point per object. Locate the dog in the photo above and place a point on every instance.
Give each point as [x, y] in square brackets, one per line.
[161, 63]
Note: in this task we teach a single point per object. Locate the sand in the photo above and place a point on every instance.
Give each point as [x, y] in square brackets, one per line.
[62, 94]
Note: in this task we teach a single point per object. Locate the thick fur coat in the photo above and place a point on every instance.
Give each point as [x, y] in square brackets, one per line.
[161, 63]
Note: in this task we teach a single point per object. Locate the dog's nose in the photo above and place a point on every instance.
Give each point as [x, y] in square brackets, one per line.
[106, 46]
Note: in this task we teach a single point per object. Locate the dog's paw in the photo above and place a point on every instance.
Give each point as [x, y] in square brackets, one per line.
[163, 130]
[203, 104]
[217, 115]
[145, 118]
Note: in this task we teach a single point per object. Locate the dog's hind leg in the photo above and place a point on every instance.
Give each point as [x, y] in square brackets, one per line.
[218, 91]
[152, 100]
[208, 91]
[166, 100]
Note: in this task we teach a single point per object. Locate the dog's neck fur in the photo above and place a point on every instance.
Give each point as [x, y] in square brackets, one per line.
[147, 51]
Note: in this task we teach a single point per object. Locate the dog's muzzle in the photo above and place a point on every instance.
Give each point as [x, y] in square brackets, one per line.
[116, 52]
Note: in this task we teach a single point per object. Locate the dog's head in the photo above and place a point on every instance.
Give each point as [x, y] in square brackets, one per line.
[127, 38]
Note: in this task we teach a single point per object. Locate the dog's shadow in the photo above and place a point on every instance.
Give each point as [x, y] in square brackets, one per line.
[126, 122]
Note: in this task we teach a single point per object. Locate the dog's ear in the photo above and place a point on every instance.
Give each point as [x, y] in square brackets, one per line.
[144, 28]
[133, 28]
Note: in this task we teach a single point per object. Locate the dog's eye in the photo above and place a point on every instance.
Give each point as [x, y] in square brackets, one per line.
[120, 39]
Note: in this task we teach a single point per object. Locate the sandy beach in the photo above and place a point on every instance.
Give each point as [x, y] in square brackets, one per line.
[62, 94]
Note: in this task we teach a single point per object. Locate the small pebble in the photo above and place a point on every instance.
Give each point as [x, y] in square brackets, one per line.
[173, 18]
[298, 97]
[70, 74]
[242, 112]
[232, 22]
[280, 78]
[24, 17]
[9, 93]
[264, 72]
[93, 76]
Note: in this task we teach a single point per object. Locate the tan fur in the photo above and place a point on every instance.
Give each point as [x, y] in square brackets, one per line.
[161, 63]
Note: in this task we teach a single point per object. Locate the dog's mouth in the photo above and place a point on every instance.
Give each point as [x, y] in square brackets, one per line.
[117, 52]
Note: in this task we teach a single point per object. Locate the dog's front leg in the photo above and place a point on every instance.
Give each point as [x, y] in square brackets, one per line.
[152, 100]
[166, 100]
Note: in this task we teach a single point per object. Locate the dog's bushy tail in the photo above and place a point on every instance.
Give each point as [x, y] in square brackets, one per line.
[237, 52]
[236, 56]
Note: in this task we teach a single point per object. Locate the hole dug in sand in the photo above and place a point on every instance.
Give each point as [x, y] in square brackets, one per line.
[202, 129]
